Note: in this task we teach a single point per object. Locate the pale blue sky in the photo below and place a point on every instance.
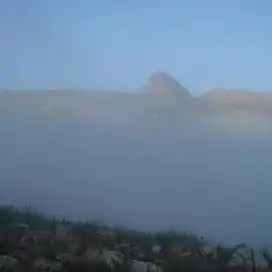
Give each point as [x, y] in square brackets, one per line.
[115, 44]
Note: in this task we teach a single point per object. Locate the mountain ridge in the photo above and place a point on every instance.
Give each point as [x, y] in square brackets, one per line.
[161, 92]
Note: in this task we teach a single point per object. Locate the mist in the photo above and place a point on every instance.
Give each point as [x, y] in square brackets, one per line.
[150, 168]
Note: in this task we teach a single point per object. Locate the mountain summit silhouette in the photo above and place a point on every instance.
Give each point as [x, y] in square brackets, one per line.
[163, 85]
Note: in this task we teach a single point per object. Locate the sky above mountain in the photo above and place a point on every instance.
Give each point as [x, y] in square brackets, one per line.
[118, 44]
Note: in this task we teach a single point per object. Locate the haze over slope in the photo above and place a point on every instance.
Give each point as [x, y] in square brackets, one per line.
[152, 160]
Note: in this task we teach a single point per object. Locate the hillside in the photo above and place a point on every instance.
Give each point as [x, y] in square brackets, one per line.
[31, 241]
[239, 99]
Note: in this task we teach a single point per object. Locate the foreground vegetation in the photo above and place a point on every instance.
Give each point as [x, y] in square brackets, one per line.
[30, 241]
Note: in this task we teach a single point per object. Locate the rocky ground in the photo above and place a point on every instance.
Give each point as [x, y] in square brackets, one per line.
[31, 242]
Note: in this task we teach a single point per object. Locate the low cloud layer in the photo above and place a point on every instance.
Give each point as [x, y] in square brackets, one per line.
[138, 161]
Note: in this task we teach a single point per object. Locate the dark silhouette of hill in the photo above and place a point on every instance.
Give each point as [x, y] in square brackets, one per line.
[163, 85]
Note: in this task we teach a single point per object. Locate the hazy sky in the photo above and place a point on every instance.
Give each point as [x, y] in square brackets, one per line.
[118, 44]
